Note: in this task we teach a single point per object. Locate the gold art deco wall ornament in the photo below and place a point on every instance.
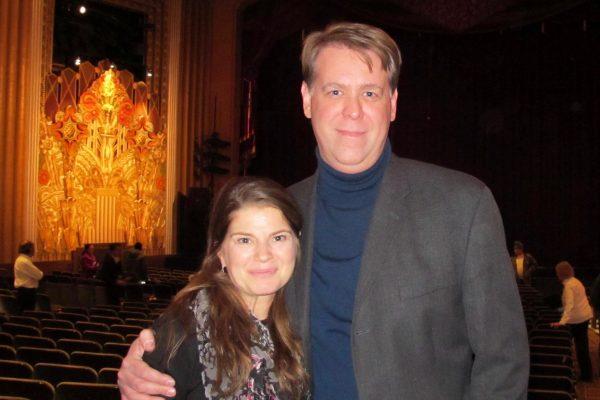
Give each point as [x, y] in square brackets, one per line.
[102, 163]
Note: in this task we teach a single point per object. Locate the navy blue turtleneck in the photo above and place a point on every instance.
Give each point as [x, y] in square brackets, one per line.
[343, 211]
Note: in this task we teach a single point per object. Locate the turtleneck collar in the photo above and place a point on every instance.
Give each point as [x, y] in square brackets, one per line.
[332, 180]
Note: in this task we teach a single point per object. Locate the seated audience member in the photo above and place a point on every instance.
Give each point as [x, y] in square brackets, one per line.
[89, 263]
[523, 263]
[577, 313]
[227, 333]
[27, 277]
[134, 264]
[110, 272]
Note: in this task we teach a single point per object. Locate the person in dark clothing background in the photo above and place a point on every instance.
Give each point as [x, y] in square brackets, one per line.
[110, 272]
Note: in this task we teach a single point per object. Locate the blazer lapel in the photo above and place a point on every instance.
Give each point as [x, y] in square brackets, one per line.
[298, 290]
[383, 232]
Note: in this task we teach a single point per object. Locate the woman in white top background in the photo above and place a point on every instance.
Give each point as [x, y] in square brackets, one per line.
[577, 313]
[27, 277]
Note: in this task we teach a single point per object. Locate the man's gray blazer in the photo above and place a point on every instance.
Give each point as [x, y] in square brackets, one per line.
[437, 312]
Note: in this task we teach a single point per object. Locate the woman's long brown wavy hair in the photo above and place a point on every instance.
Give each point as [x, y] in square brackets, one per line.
[231, 327]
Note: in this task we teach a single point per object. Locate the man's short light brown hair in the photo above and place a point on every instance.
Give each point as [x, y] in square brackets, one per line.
[358, 37]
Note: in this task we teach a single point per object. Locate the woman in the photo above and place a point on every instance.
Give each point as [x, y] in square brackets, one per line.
[227, 334]
[27, 278]
[89, 263]
[577, 313]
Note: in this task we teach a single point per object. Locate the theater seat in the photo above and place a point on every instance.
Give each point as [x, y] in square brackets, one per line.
[27, 388]
[56, 373]
[87, 391]
[57, 323]
[103, 337]
[108, 375]
[20, 329]
[34, 341]
[116, 348]
[71, 345]
[125, 330]
[536, 394]
[15, 369]
[83, 326]
[34, 355]
[96, 360]
[7, 339]
[59, 333]
[24, 320]
[7, 352]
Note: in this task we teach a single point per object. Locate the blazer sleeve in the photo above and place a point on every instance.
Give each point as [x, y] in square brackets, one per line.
[494, 315]
[184, 367]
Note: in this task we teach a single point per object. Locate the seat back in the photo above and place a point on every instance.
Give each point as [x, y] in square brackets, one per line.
[125, 330]
[24, 320]
[71, 345]
[83, 326]
[39, 314]
[116, 348]
[106, 320]
[108, 375]
[57, 323]
[7, 339]
[96, 360]
[56, 373]
[20, 329]
[73, 317]
[87, 391]
[103, 337]
[33, 355]
[106, 312]
[60, 333]
[7, 352]
[43, 302]
[537, 394]
[27, 388]
[15, 369]
[34, 341]
[145, 323]
[8, 304]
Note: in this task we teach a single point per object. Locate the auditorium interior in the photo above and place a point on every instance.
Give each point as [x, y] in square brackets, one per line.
[120, 119]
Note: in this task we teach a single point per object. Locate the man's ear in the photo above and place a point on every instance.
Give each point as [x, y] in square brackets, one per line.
[394, 102]
[306, 97]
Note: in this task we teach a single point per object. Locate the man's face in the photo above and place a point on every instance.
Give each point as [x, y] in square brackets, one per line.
[350, 108]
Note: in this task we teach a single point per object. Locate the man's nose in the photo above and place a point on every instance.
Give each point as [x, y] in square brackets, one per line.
[352, 107]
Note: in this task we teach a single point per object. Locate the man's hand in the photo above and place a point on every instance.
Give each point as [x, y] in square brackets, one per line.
[137, 380]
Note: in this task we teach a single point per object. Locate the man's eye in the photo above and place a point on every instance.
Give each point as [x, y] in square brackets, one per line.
[370, 94]
[335, 92]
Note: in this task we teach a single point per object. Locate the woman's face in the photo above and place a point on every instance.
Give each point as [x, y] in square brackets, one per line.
[259, 251]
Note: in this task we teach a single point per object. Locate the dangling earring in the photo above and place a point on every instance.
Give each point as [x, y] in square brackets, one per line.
[223, 269]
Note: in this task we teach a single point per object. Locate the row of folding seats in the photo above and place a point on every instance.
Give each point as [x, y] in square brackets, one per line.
[81, 325]
[114, 333]
[552, 375]
[34, 355]
[68, 345]
[23, 389]
[55, 373]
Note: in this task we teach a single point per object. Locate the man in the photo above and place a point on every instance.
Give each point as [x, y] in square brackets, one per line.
[110, 272]
[27, 277]
[523, 263]
[577, 313]
[134, 264]
[405, 290]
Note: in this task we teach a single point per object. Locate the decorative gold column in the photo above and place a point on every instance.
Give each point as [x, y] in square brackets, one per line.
[21, 25]
[174, 27]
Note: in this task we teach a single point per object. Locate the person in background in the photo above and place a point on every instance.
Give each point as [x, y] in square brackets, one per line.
[134, 264]
[89, 263]
[27, 277]
[523, 263]
[577, 313]
[110, 272]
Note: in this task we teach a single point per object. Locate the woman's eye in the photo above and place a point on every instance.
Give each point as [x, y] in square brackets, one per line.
[243, 240]
[280, 238]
